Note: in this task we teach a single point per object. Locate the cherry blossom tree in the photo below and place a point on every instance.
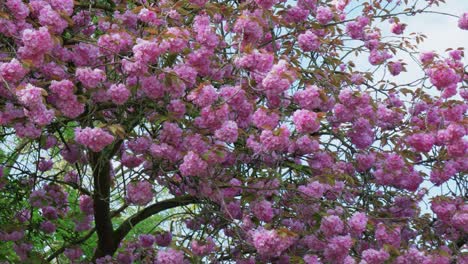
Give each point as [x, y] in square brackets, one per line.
[230, 131]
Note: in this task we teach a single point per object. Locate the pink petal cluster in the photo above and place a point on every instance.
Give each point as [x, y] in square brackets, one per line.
[65, 99]
[358, 222]
[355, 29]
[118, 93]
[35, 109]
[463, 21]
[95, 139]
[269, 242]
[442, 76]
[90, 78]
[36, 43]
[314, 189]
[308, 41]
[324, 15]
[398, 28]
[193, 165]
[228, 132]
[263, 210]
[421, 142]
[306, 121]
[140, 193]
[170, 256]
[266, 4]
[12, 71]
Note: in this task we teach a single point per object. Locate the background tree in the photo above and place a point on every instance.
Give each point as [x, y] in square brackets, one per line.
[228, 131]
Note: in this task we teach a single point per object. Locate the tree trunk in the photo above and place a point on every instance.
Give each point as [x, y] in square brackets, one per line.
[101, 197]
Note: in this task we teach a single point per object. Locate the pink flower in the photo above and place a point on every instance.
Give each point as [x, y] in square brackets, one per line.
[65, 6]
[163, 239]
[263, 210]
[296, 14]
[427, 56]
[262, 118]
[18, 8]
[306, 121]
[94, 138]
[131, 161]
[314, 189]
[152, 87]
[86, 204]
[443, 76]
[140, 193]
[228, 132]
[147, 51]
[37, 41]
[170, 256]
[37, 112]
[355, 29]
[309, 98]
[311, 259]
[260, 61]
[113, 43]
[463, 21]
[148, 16]
[48, 227]
[49, 18]
[460, 221]
[331, 225]
[45, 165]
[205, 35]
[358, 223]
[421, 142]
[398, 28]
[64, 98]
[118, 93]
[337, 248]
[277, 140]
[90, 78]
[308, 41]
[266, 4]
[30, 95]
[377, 57]
[324, 15]
[73, 253]
[372, 256]
[202, 248]
[146, 240]
[198, 2]
[203, 96]
[395, 68]
[279, 78]
[12, 71]
[269, 243]
[386, 235]
[193, 165]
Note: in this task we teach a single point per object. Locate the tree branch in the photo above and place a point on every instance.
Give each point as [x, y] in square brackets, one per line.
[101, 197]
[149, 211]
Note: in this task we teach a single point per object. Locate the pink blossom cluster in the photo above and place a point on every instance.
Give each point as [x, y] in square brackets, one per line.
[65, 99]
[32, 98]
[463, 21]
[95, 139]
[308, 41]
[254, 111]
[269, 243]
[90, 78]
[392, 170]
[140, 193]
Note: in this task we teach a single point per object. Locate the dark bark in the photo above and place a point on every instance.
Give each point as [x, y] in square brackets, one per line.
[108, 239]
[156, 208]
[101, 197]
